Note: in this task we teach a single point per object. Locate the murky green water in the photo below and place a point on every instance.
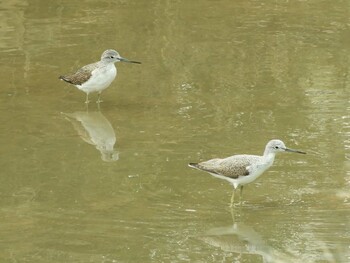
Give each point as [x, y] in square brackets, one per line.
[218, 78]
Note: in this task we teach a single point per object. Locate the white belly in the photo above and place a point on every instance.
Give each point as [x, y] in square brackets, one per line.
[101, 78]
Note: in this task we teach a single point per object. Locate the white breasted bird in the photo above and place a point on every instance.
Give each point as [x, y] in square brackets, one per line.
[97, 76]
[243, 169]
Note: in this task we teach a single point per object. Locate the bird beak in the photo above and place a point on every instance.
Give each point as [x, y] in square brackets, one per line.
[293, 151]
[128, 61]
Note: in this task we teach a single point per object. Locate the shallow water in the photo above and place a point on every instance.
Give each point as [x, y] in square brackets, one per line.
[111, 184]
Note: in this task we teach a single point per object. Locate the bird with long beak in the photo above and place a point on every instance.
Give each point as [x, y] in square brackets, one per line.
[243, 169]
[97, 76]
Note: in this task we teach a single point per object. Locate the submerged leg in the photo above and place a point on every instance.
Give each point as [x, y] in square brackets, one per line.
[99, 98]
[87, 98]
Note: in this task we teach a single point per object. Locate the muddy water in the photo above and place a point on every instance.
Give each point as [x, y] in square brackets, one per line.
[111, 184]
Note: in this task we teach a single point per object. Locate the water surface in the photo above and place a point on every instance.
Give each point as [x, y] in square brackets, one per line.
[218, 78]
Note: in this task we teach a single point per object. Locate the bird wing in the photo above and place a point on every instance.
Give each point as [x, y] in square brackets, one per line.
[81, 76]
[233, 167]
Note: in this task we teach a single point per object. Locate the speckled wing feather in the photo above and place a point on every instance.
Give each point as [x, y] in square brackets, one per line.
[81, 76]
[233, 167]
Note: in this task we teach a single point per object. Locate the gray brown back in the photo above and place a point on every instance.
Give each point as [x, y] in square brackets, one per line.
[233, 167]
[81, 76]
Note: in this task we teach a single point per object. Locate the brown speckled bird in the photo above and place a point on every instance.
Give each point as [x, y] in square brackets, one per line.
[97, 76]
[243, 169]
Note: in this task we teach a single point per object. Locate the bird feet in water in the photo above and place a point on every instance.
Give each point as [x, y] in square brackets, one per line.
[98, 101]
[232, 204]
[87, 99]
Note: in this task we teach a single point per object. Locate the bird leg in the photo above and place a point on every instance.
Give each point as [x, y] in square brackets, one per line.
[99, 98]
[87, 98]
[233, 214]
[241, 195]
[233, 198]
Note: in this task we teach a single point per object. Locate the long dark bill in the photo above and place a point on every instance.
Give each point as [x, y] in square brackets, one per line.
[294, 151]
[129, 61]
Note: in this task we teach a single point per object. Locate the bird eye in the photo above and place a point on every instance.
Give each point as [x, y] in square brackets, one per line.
[276, 147]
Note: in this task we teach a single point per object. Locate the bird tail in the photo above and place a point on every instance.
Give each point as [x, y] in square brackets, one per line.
[65, 79]
[193, 165]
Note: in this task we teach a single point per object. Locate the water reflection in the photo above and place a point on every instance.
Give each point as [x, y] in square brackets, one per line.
[95, 129]
[242, 239]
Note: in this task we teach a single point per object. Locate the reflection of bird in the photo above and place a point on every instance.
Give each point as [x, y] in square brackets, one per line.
[243, 239]
[97, 76]
[243, 169]
[95, 129]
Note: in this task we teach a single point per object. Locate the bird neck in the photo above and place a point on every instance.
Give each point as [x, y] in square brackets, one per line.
[106, 63]
[269, 157]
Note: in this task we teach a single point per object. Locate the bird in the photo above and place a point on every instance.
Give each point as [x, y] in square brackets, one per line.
[242, 169]
[97, 76]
